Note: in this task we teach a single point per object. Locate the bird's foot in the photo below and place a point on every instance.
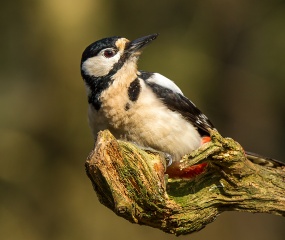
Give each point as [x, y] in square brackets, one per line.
[166, 156]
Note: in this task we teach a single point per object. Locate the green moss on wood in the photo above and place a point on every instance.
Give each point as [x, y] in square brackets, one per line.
[131, 182]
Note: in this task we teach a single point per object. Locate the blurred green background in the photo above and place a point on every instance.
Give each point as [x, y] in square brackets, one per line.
[227, 55]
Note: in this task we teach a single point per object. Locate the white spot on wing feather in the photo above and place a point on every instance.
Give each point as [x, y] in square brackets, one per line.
[164, 82]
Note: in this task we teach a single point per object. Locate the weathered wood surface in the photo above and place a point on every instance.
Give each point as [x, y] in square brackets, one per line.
[132, 183]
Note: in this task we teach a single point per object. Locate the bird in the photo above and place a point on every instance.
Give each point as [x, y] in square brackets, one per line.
[142, 107]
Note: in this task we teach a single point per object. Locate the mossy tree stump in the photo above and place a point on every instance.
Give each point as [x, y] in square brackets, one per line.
[132, 183]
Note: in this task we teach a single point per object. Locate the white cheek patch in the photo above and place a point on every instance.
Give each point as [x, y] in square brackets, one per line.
[164, 82]
[99, 66]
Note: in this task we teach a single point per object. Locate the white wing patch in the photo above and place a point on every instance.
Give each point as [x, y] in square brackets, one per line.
[164, 82]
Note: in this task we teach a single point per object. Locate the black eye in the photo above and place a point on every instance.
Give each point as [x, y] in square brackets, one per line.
[109, 53]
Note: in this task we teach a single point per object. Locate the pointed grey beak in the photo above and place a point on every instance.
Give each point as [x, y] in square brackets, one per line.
[141, 42]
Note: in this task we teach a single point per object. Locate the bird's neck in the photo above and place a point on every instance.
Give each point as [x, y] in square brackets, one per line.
[121, 79]
[127, 73]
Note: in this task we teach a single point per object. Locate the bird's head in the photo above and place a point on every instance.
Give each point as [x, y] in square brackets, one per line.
[107, 56]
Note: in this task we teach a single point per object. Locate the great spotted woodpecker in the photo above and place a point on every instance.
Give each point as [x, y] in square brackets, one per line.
[142, 107]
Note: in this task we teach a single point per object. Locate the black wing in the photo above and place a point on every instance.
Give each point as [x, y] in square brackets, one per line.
[179, 103]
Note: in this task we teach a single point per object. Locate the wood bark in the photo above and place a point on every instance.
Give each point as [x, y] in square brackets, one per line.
[132, 183]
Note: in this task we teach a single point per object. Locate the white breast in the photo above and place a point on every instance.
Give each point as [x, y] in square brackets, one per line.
[148, 122]
[154, 125]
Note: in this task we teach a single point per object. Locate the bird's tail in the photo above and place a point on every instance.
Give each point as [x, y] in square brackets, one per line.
[263, 161]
